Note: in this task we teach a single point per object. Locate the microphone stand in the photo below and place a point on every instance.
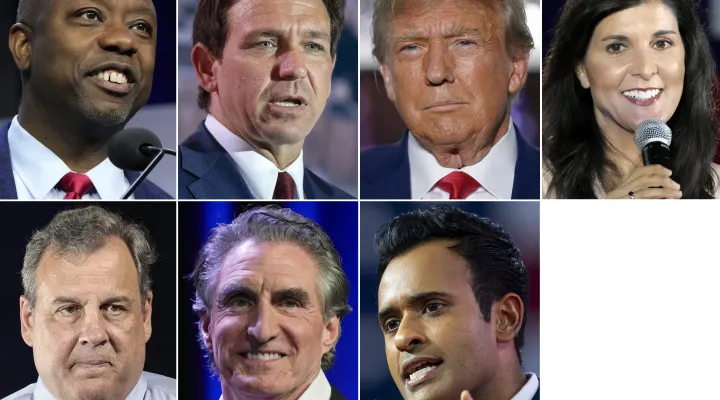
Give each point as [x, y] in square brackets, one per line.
[151, 149]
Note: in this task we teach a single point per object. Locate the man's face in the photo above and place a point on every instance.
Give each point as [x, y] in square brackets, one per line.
[448, 71]
[97, 55]
[88, 329]
[274, 76]
[266, 327]
[436, 342]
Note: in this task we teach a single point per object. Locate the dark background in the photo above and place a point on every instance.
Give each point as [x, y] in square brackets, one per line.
[196, 219]
[21, 219]
[520, 219]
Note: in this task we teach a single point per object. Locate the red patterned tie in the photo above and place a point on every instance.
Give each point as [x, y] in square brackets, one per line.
[75, 185]
[459, 184]
[285, 187]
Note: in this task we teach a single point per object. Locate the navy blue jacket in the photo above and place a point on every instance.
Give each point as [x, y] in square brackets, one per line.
[206, 171]
[146, 190]
[385, 171]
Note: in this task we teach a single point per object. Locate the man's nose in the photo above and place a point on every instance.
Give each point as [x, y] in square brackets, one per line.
[292, 64]
[409, 335]
[93, 329]
[117, 38]
[438, 64]
[265, 327]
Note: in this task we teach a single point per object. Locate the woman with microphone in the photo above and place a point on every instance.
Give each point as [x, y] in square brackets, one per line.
[612, 65]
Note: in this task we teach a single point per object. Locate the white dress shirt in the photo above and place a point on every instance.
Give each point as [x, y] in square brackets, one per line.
[495, 172]
[319, 389]
[259, 173]
[149, 387]
[37, 170]
[529, 389]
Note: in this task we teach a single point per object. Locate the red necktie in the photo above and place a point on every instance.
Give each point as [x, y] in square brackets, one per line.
[75, 185]
[459, 184]
[285, 187]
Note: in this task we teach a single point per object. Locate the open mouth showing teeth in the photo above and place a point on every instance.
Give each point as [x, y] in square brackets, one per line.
[263, 356]
[288, 103]
[418, 371]
[641, 94]
[112, 76]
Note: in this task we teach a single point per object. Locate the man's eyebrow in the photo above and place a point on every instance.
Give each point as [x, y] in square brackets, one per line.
[413, 299]
[141, 8]
[64, 300]
[236, 289]
[117, 299]
[447, 33]
[307, 34]
[315, 34]
[296, 293]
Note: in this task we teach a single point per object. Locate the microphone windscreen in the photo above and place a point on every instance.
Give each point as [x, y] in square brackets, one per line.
[652, 130]
[124, 149]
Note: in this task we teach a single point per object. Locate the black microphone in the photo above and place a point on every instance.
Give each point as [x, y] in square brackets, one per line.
[136, 149]
[653, 138]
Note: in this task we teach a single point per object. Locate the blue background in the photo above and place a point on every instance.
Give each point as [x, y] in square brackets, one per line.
[196, 219]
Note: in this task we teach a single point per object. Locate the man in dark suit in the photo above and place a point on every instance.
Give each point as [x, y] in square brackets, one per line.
[265, 70]
[453, 332]
[452, 73]
[270, 294]
[85, 72]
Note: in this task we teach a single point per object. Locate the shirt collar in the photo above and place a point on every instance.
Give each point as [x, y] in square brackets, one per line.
[259, 173]
[319, 389]
[41, 391]
[529, 389]
[495, 172]
[40, 169]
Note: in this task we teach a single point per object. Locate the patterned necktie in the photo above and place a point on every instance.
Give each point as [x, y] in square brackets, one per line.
[285, 187]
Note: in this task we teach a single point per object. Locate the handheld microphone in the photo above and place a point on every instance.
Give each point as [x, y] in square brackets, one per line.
[653, 138]
[136, 149]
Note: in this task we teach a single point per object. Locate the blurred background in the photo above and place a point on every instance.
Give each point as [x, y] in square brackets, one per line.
[159, 113]
[196, 220]
[27, 217]
[520, 219]
[330, 149]
[708, 10]
[381, 122]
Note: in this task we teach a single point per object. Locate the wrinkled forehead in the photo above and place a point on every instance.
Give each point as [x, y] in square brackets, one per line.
[279, 15]
[470, 14]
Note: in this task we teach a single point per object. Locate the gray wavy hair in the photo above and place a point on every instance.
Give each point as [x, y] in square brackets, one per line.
[83, 231]
[517, 33]
[272, 224]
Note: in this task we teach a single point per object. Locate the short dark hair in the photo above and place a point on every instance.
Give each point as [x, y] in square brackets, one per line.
[210, 28]
[494, 261]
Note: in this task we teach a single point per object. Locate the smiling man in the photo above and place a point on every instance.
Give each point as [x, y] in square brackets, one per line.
[86, 309]
[86, 69]
[452, 72]
[451, 301]
[265, 68]
[270, 296]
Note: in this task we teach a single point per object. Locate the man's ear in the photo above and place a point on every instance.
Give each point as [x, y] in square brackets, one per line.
[27, 320]
[147, 316]
[204, 62]
[388, 81]
[205, 328]
[20, 43]
[331, 333]
[510, 312]
[518, 70]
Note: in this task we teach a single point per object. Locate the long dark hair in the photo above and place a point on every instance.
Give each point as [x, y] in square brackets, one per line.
[574, 148]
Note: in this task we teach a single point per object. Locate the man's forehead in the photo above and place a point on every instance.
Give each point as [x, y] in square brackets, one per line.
[276, 15]
[135, 6]
[427, 18]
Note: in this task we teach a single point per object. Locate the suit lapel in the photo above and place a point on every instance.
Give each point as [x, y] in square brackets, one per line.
[7, 179]
[391, 178]
[526, 183]
[216, 172]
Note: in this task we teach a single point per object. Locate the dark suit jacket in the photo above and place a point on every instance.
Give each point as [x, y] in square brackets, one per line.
[208, 172]
[537, 395]
[336, 395]
[385, 171]
[146, 190]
